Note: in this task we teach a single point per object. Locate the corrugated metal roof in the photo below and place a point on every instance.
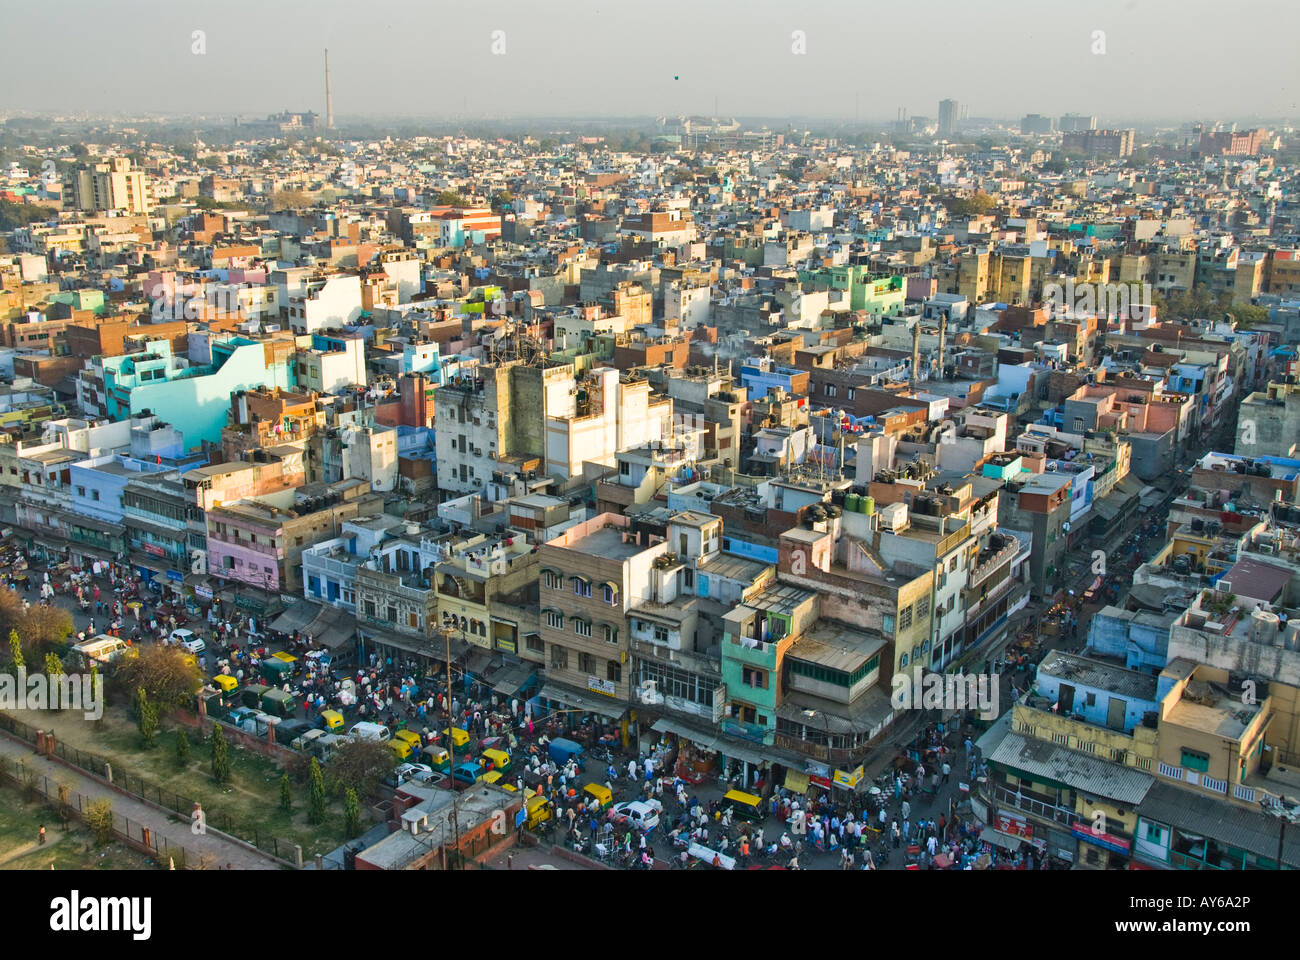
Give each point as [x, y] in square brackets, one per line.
[1221, 820]
[1081, 771]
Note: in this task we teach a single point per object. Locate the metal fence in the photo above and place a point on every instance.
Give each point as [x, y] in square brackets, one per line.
[136, 786]
[70, 803]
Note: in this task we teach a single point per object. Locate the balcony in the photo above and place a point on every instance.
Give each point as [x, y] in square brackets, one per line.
[993, 559]
[1042, 809]
[762, 655]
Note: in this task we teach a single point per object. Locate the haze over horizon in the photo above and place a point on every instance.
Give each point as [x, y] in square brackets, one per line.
[599, 58]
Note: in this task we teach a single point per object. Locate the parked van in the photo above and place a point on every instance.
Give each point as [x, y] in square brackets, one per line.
[369, 731]
[102, 649]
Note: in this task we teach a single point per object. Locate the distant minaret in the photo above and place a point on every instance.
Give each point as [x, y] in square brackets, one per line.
[329, 96]
[916, 353]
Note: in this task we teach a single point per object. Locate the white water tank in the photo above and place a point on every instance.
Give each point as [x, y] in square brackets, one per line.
[1263, 627]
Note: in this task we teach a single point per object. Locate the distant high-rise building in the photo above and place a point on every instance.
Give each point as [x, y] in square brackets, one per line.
[1232, 143]
[1033, 124]
[1075, 122]
[112, 185]
[1106, 143]
[949, 114]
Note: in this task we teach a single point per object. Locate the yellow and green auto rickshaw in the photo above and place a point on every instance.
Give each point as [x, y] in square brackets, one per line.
[495, 760]
[600, 793]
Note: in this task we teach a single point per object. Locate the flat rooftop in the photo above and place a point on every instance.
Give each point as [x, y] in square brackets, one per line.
[606, 543]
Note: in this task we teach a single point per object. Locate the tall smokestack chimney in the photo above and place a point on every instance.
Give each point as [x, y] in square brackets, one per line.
[329, 96]
[943, 336]
[916, 354]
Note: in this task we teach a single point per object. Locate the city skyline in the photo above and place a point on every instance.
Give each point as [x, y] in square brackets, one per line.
[524, 60]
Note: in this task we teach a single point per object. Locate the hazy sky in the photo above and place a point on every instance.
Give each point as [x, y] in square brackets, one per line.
[1175, 59]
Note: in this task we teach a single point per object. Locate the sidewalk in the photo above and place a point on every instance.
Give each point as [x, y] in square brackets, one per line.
[225, 853]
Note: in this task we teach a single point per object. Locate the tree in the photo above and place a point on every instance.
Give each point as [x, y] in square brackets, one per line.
[502, 200]
[317, 786]
[99, 817]
[16, 650]
[182, 749]
[146, 717]
[449, 198]
[15, 215]
[980, 203]
[286, 795]
[220, 756]
[361, 764]
[351, 814]
[45, 627]
[288, 199]
[169, 675]
[53, 665]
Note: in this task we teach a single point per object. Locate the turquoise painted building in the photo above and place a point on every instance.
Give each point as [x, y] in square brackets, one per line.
[866, 291]
[193, 398]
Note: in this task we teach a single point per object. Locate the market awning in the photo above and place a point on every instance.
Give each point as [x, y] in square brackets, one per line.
[591, 703]
[729, 749]
[296, 617]
[512, 679]
[478, 661]
[700, 738]
[796, 781]
[1002, 840]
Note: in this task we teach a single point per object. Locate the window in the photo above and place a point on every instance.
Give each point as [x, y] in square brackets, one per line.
[754, 678]
[905, 617]
[1195, 760]
[227, 563]
[552, 580]
[852, 391]
[555, 619]
[581, 587]
[586, 663]
[610, 594]
[661, 634]
[887, 623]
[688, 579]
[559, 656]
[902, 662]
[81, 491]
[582, 627]
[370, 608]
[1154, 833]
[392, 614]
[94, 494]
[609, 633]
[828, 389]
[534, 643]
[413, 621]
[923, 607]
[613, 671]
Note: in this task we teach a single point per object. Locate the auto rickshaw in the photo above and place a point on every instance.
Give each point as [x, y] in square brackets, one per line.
[401, 748]
[539, 810]
[252, 695]
[276, 671]
[492, 776]
[439, 758]
[225, 682]
[745, 806]
[410, 737]
[600, 793]
[332, 719]
[495, 760]
[459, 740]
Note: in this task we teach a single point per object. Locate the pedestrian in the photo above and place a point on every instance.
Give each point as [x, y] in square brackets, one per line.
[946, 770]
[907, 810]
[895, 833]
[42, 835]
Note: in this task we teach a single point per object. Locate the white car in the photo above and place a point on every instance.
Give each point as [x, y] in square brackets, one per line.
[187, 640]
[419, 772]
[644, 815]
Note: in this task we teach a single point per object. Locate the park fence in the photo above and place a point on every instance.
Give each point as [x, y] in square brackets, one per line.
[68, 803]
[136, 786]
